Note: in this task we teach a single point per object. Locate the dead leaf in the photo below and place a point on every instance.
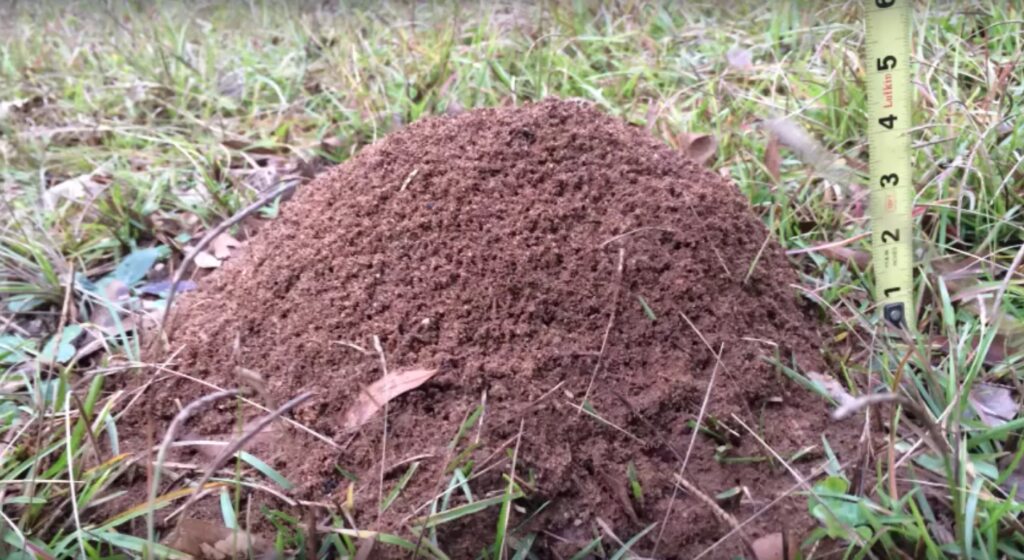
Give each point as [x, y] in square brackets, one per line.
[372, 398]
[993, 403]
[118, 294]
[701, 148]
[223, 244]
[76, 189]
[838, 251]
[1002, 348]
[809, 150]
[211, 541]
[964, 278]
[847, 255]
[832, 387]
[740, 59]
[231, 84]
[772, 159]
[9, 107]
[206, 260]
[772, 547]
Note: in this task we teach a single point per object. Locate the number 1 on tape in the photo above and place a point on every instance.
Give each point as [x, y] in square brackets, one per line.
[892, 188]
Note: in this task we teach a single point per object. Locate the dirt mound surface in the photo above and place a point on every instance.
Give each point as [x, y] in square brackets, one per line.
[568, 276]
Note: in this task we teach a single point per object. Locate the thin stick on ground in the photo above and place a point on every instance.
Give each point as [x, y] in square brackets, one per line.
[757, 258]
[689, 448]
[608, 328]
[230, 449]
[210, 235]
[821, 469]
[1005, 284]
[384, 436]
[294, 423]
[799, 478]
[172, 432]
[938, 443]
[720, 513]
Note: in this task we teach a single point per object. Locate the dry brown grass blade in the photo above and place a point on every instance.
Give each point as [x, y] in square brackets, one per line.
[608, 328]
[211, 235]
[772, 158]
[230, 449]
[172, 432]
[720, 513]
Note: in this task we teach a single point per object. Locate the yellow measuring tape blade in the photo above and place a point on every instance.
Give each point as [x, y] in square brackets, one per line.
[892, 187]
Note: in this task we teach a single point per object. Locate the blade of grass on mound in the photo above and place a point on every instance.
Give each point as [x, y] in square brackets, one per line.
[459, 512]
[424, 550]
[159, 503]
[628, 545]
[399, 486]
[266, 469]
[137, 545]
[588, 550]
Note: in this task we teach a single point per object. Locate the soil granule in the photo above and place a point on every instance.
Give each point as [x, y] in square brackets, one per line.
[536, 256]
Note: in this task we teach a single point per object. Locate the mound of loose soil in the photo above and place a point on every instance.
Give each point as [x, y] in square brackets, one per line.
[536, 256]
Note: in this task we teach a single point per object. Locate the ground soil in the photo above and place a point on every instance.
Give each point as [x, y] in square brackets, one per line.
[536, 256]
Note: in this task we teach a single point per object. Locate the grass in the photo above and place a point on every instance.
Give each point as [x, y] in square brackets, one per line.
[128, 130]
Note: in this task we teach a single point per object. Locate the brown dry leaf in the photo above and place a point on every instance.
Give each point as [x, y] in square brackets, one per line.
[206, 260]
[848, 255]
[701, 148]
[772, 159]
[740, 59]
[838, 251]
[772, 547]
[993, 403]
[223, 244]
[118, 294]
[809, 150]
[1003, 347]
[372, 398]
[210, 541]
[76, 189]
[964, 278]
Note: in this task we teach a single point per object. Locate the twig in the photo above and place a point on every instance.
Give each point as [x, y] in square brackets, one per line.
[757, 258]
[638, 230]
[800, 478]
[384, 437]
[689, 448]
[295, 424]
[172, 431]
[818, 471]
[611, 322]
[606, 422]
[939, 443]
[213, 233]
[1005, 284]
[720, 513]
[237, 444]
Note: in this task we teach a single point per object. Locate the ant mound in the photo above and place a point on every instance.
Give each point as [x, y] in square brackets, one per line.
[528, 324]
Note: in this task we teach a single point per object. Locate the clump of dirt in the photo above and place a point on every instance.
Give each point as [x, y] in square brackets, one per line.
[566, 274]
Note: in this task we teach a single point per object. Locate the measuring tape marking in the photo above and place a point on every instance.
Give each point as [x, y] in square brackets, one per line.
[889, 122]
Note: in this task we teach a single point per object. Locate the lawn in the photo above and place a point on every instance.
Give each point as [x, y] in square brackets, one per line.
[128, 131]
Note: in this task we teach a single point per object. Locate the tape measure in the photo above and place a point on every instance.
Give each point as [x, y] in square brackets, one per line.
[892, 186]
